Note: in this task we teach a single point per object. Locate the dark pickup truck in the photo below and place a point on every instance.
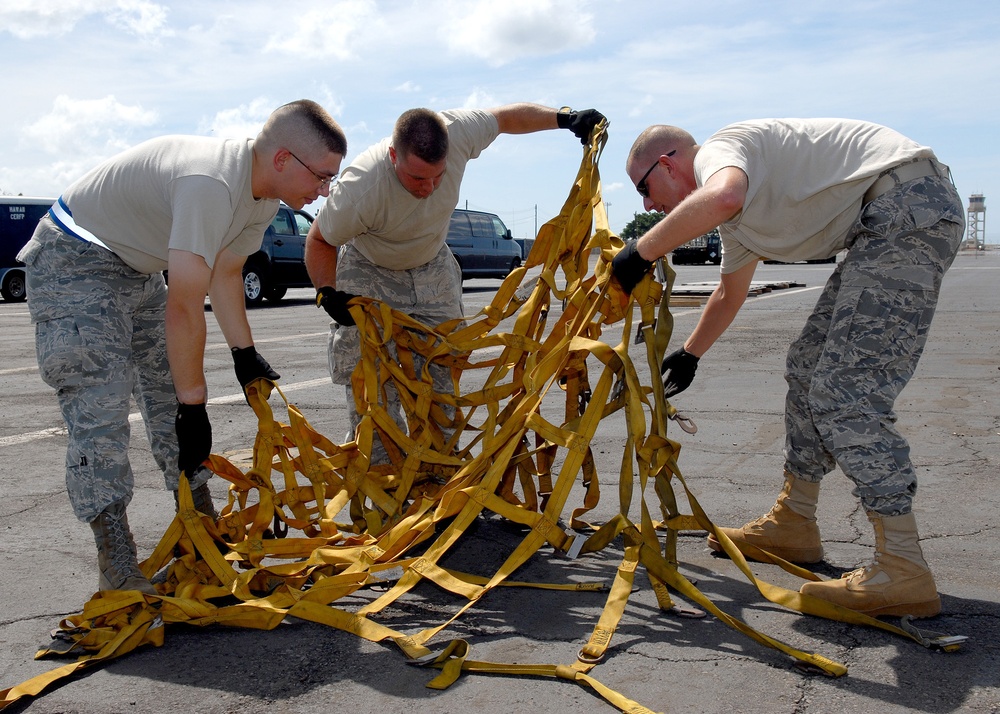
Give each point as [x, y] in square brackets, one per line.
[281, 261]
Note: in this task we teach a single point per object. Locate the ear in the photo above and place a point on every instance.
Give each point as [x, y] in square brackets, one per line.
[280, 158]
[392, 154]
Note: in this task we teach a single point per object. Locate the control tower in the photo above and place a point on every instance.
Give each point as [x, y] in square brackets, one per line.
[975, 225]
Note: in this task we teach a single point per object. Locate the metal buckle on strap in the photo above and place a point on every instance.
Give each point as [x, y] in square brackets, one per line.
[901, 174]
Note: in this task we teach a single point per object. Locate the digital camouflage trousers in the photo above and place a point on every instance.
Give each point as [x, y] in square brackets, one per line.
[430, 293]
[100, 339]
[861, 344]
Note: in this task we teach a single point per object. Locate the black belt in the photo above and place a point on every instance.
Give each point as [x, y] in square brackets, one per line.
[901, 174]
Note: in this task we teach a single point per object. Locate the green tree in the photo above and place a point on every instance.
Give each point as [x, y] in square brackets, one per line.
[637, 227]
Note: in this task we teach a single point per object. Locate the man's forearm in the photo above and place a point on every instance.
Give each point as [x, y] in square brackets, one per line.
[720, 310]
[321, 260]
[229, 308]
[186, 332]
[525, 118]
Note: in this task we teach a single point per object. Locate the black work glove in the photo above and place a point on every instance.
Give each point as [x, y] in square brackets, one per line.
[581, 123]
[194, 436]
[629, 267]
[678, 370]
[335, 303]
[250, 366]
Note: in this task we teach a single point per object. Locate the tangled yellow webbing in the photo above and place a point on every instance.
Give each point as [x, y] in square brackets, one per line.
[312, 522]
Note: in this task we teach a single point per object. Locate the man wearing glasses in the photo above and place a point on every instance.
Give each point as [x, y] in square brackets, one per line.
[801, 189]
[381, 234]
[107, 328]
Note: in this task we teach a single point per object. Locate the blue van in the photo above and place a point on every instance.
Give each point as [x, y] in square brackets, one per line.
[18, 218]
[482, 245]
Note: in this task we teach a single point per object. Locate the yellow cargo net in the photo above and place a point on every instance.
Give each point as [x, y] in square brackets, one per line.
[313, 521]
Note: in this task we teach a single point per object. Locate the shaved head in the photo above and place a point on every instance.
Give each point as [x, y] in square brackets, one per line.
[658, 140]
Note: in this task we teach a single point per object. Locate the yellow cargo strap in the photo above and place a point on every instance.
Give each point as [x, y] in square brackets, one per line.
[312, 522]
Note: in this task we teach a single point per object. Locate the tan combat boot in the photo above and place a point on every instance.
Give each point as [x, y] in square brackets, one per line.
[788, 530]
[116, 555]
[898, 582]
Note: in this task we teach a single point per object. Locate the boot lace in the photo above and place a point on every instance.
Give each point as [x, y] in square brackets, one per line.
[120, 550]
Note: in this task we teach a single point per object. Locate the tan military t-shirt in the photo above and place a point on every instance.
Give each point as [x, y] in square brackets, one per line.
[807, 178]
[174, 192]
[389, 226]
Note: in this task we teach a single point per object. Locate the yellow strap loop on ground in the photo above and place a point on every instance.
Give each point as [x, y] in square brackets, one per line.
[349, 522]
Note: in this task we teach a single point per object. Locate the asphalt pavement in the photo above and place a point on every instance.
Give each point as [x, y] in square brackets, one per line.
[949, 413]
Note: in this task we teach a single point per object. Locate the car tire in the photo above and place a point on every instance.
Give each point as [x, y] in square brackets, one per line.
[254, 286]
[515, 263]
[276, 294]
[13, 288]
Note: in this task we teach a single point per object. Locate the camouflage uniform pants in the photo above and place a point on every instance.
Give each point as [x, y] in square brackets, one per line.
[430, 293]
[862, 342]
[100, 339]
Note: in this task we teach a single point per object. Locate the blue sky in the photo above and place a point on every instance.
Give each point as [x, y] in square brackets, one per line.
[85, 79]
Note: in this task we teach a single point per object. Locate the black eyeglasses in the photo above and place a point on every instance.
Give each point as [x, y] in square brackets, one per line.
[641, 187]
[324, 181]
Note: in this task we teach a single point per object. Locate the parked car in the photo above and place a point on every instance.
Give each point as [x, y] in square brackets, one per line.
[701, 250]
[482, 245]
[281, 261]
[18, 218]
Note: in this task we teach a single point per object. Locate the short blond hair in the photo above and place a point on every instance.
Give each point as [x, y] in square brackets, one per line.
[657, 140]
[303, 125]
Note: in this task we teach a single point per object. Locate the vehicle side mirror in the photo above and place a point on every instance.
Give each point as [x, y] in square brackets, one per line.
[508, 235]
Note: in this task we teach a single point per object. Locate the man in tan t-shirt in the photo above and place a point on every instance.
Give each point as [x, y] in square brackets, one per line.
[108, 329]
[382, 232]
[800, 189]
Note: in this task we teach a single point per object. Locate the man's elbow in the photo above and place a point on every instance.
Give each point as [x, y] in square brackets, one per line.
[728, 191]
[729, 202]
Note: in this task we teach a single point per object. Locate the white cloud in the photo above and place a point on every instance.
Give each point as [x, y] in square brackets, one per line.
[640, 106]
[203, 68]
[327, 99]
[77, 126]
[138, 16]
[500, 32]
[246, 120]
[331, 30]
[479, 99]
[28, 19]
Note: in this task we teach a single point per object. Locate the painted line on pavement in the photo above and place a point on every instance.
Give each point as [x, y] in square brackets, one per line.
[135, 417]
